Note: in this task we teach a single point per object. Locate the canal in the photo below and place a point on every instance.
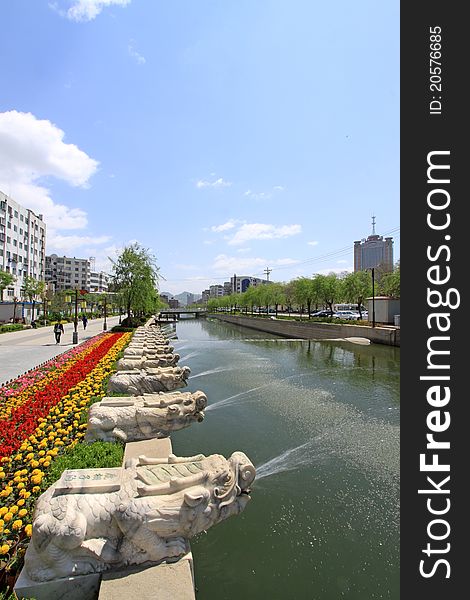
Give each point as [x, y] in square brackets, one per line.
[320, 421]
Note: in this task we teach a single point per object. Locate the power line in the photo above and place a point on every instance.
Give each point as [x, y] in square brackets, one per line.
[315, 259]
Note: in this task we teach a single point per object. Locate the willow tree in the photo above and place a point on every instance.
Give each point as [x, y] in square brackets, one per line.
[357, 287]
[306, 292]
[135, 280]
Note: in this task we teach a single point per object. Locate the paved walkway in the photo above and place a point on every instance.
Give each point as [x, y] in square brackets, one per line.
[21, 351]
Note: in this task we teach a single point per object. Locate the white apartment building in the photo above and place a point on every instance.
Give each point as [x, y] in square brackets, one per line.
[99, 281]
[216, 291]
[22, 244]
[240, 283]
[68, 273]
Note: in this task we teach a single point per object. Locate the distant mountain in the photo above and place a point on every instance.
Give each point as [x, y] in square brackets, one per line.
[183, 297]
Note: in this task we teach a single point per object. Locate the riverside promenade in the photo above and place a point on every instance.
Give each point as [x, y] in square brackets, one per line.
[23, 350]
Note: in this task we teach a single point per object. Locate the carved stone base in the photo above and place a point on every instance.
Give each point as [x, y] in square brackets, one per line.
[81, 587]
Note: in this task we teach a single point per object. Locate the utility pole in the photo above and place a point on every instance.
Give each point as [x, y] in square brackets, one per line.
[267, 271]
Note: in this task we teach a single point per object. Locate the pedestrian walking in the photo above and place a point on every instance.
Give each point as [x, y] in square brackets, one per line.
[85, 321]
[58, 331]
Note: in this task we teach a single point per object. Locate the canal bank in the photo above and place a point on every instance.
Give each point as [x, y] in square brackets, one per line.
[310, 330]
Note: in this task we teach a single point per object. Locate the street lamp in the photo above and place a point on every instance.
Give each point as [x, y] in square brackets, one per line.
[373, 296]
[44, 309]
[75, 320]
[105, 325]
[15, 304]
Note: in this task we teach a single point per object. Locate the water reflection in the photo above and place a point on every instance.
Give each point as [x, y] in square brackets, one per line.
[320, 420]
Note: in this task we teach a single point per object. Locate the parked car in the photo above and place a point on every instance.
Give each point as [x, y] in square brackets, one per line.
[347, 315]
[321, 313]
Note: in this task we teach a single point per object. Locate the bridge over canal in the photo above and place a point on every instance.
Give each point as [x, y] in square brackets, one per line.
[174, 314]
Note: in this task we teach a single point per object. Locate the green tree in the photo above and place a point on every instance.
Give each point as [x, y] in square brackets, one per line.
[135, 279]
[356, 287]
[32, 288]
[6, 279]
[328, 289]
[250, 297]
[389, 284]
[306, 292]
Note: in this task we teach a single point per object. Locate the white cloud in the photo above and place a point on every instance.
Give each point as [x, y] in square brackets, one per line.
[262, 231]
[136, 55]
[67, 243]
[87, 10]
[334, 270]
[230, 224]
[246, 265]
[263, 195]
[218, 183]
[313, 243]
[32, 149]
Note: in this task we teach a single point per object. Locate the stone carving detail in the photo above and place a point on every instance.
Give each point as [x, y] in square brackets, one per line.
[147, 361]
[134, 418]
[159, 505]
[143, 350]
[135, 382]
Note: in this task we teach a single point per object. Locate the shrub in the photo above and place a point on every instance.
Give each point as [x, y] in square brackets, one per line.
[120, 328]
[11, 327]
[132, 322]
[98, 455]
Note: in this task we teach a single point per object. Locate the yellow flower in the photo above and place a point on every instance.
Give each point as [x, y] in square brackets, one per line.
[4, 549]
[22, 512]
[14, 509]
[29, 530]
[8, 517]
[17, 524]
[21, 501]
[3, 510]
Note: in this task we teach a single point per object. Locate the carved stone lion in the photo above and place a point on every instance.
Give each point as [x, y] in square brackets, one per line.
[160, 504]
[136, 382]
[144, 417]
[146, 361]
[144, 350]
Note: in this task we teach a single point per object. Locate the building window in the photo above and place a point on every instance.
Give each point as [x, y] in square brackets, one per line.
[16, 213]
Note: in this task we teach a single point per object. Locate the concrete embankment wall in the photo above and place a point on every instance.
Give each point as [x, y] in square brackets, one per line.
[315, 331]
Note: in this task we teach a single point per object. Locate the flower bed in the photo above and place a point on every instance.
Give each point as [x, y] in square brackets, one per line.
[38, 422]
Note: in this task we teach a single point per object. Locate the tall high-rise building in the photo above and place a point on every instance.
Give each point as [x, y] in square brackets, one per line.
[22, 244]
[375, 251]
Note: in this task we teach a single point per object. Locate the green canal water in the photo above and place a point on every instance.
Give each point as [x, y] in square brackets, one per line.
[320, 421]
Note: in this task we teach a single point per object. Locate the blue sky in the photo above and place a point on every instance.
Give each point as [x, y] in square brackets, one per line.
[225, 136]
